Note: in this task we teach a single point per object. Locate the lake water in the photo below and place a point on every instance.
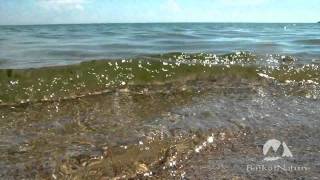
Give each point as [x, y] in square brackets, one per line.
[165, 101]
[50, 45]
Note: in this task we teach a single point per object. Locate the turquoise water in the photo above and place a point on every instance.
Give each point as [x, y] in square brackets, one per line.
[50, 45]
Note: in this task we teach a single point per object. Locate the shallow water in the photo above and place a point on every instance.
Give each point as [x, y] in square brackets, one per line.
[161, 132]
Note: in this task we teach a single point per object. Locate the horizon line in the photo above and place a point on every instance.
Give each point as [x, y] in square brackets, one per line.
[178, 22]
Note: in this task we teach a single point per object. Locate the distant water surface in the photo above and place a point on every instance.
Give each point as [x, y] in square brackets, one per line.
[50, 45]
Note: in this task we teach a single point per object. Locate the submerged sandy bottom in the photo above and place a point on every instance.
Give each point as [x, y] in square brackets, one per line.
[197, 130]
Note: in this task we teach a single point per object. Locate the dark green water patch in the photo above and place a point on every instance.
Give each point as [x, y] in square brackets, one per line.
[96, 77]
[19, 86]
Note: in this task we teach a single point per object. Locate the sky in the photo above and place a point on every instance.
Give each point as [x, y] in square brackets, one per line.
[132, 11]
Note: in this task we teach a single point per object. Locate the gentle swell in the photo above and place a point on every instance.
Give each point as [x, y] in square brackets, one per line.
[96, 77]
[309, 41]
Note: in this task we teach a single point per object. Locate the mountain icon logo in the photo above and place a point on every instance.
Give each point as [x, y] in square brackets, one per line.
[274, 145]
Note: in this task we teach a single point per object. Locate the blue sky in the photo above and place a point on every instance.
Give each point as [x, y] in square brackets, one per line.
[114, 11]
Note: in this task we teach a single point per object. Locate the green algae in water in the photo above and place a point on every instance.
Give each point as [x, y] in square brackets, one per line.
[54, 83]
[96, 77]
